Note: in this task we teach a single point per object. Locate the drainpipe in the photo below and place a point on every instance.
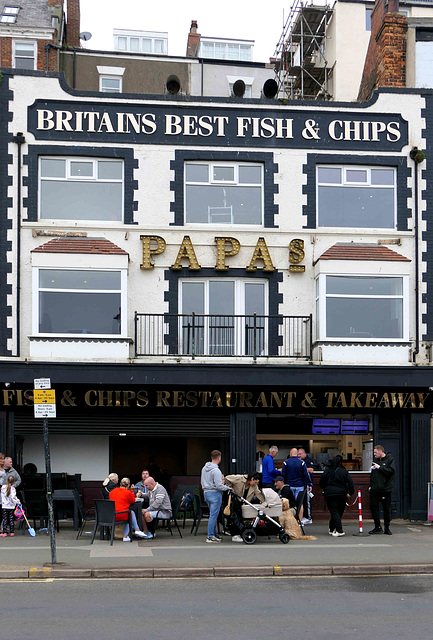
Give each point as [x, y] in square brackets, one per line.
[19, 139]
[417, 156]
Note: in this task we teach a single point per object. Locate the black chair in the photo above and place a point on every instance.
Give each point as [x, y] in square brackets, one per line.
[174, 510]
[185, 489]
[105, 516]
[35, 505]
[86, 516]
[299, 503]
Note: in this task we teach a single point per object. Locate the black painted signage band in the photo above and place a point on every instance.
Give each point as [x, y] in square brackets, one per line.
[216, 126]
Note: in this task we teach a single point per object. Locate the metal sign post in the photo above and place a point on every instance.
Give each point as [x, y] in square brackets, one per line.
[44, 399]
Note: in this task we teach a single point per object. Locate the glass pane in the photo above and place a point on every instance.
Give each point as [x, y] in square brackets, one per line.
[220, 50]
[207, 50]
[222, 204]
[358, 319]
[146, 45]
[110, 84]
[23, 49]
[233, 51]
[383, 176]
[375, 286]
[53, 168]
[134, 44]
[329, 175]
[223, 173]
[110, 170]
[356, 207]
[24, 63]
[197, 172]
[81, 200]
[245, 52]
[84, 169]
[192, 297]
[222, 298]
[250, 175]
[254, 298]
[66, 312]
[356, 175]
[159, 46]
[122, 43]
[64, 279]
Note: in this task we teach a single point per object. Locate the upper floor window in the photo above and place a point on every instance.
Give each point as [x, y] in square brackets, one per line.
[224, 322]
[80, 188]
[362, 307]
[24, 55]
[226, 50]
[356, 196]
[79, 301]
[141, 41]
[110, 84]
[9, 14]
[223, 193]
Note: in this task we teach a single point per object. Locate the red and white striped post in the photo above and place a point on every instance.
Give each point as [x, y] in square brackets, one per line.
[360, 510]
[360, 533]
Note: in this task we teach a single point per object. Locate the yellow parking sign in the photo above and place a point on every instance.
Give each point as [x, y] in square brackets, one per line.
[44, 396]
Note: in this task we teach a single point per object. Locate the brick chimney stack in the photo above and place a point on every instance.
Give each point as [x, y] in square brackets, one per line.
[385, 62]
[193, 41]
[73, 23]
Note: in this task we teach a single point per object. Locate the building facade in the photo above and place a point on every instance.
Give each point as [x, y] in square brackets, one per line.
[196, 273]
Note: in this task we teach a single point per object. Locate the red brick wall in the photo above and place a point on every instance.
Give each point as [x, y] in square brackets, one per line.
[73, 23]
[385, 62]
[5, 52]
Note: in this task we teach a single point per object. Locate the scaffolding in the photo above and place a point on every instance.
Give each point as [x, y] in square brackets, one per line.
[301, 68]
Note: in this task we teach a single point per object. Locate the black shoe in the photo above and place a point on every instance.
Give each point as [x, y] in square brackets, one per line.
[376, 530]
[388, 531]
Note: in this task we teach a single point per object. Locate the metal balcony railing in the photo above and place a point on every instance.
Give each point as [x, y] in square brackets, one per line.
[221, 335]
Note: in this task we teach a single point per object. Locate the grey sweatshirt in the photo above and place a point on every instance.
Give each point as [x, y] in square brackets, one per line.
[159, 500]
[212, 478]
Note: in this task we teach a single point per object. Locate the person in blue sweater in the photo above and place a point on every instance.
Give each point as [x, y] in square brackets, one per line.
[268, 469]
[295, 474]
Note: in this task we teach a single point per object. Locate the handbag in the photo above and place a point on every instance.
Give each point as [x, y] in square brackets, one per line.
[226, 511]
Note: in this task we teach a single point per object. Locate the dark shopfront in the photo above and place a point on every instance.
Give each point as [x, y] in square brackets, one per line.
[183, 411]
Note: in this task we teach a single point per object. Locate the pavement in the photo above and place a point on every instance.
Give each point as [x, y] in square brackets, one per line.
[408, 550]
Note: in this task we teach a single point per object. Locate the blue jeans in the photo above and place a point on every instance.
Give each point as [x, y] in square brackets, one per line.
[213, 500]
[297, 490]
[134, 524]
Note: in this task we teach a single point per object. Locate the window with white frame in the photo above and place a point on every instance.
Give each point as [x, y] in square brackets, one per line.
[247, 92]
[218, 316]
[356, 196]
[110, 84]
[80, 301]
[141, 42]
[223, 192]
[24, 55]
[362, 307]
[79, 188]
[9, 14]
[222, 50]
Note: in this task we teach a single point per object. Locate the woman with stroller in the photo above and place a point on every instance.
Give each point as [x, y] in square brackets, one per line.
[245, 486]
[337, 486]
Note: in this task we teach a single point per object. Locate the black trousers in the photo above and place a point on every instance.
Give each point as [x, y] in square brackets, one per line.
[336, 506]
[378, 498]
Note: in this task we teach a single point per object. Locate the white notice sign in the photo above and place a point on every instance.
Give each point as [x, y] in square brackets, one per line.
[45, 410]
[42, 383]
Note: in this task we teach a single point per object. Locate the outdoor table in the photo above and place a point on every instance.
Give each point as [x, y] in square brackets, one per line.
[67, 495]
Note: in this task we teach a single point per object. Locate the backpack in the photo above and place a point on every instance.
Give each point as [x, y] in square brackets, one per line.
[187, 502]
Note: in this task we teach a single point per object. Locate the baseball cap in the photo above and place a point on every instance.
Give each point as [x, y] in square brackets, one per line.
[279, 478]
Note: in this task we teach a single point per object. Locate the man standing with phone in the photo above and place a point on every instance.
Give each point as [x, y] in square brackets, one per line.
[382, 478]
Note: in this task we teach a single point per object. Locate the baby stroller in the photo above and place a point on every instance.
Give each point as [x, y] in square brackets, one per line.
[258, 520]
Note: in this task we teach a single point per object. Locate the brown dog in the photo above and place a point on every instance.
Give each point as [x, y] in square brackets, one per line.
[288, 521]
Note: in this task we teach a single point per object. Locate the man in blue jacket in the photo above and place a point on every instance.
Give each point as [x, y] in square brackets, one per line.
[295, 474]
[268, 469]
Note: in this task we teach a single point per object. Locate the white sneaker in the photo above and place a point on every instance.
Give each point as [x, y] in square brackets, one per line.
[139, 534]
[336, 534]
[126, 539]
[331, 533]
[237, 539]
[307, 521]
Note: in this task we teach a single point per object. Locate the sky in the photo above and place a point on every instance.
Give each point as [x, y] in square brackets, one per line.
[245, 20]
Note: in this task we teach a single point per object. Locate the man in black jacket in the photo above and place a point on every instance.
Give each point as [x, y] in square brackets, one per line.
[382, 477]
